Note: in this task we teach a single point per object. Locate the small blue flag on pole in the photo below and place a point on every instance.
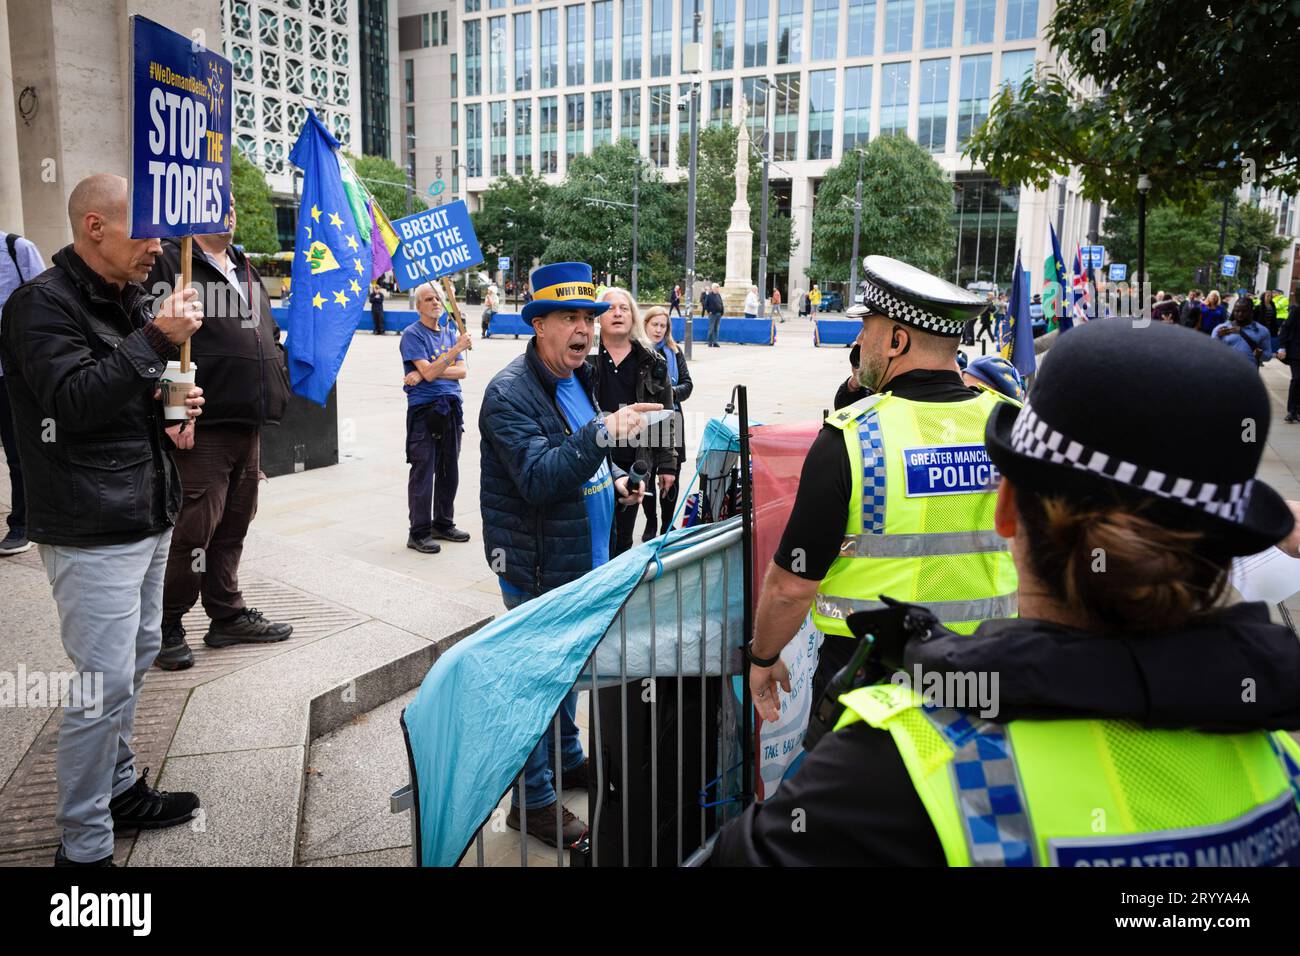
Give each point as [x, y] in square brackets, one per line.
[1018, 348]
[331, 267]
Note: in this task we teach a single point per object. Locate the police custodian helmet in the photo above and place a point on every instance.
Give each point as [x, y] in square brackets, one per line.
[912, 297]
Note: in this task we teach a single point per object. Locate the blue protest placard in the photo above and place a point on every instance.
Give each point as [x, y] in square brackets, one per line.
[503, 263]
[433, 244]
[1118, 271]
[1229, 265]
[180, 134]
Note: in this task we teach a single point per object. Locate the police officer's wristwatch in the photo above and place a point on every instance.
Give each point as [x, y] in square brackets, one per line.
[759, 661]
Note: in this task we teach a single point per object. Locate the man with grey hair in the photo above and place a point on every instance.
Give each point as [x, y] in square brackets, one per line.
[83, 351]
[433, 357]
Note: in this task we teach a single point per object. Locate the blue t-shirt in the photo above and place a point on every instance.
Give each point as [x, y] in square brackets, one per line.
[421, 342]
[598, 490]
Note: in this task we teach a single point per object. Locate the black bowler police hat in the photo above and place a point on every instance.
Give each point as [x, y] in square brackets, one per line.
[1108, 419]
[910, 296]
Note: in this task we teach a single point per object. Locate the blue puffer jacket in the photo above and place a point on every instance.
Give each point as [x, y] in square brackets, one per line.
[535, 531]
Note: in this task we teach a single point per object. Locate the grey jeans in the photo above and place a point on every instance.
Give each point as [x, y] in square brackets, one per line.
[110, 621]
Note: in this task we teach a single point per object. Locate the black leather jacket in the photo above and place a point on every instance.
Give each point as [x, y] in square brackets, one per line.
[652, 385]
[81, 368]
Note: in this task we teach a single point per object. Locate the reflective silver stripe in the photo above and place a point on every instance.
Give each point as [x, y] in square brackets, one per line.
[981, 609]
[938, 544]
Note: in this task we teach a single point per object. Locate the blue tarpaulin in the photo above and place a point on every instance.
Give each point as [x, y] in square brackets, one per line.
[485, 702]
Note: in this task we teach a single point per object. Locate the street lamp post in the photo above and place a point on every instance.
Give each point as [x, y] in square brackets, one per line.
[762, 222]
[636, 208]
[1143, 187]
[857, 228]
[690, 188]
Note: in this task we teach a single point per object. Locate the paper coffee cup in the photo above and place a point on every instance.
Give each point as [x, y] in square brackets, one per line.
[176, 386]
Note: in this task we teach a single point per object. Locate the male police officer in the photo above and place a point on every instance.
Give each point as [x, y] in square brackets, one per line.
[897, 492]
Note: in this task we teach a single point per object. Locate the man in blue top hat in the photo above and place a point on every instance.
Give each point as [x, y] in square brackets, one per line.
[547, 493]
[433, 356]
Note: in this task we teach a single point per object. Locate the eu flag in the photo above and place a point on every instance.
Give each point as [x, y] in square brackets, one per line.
[331, 267]
[1018, 348]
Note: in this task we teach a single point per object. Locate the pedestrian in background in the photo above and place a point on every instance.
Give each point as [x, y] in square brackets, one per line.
[776, 304]
[1243, 333]
[628, 370]
[22, 263]
[83, 351]
[377, 307]
[1212, 312]
[491, 304]
[713, 306]
[1289, 346]
[675, 301]
[547, 494]
[433, 357]
[751, 303]
[659, 328]
[1189, 315]
[815, 298]
[242, 367]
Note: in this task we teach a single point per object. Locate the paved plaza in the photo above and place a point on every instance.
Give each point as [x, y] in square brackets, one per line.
[294, 747]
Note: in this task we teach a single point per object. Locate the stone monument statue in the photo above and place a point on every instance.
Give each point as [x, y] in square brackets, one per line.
[740, 237]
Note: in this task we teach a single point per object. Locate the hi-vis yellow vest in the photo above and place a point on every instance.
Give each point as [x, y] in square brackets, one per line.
[920, 522]
[1091, 792]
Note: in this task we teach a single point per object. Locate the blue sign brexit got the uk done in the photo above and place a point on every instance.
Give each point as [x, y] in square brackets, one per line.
[948, 470]
[433, 244]
[180, 134]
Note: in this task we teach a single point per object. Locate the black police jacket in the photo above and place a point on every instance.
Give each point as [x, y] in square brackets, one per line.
[81, 368]
[240, 362]
[858, 803]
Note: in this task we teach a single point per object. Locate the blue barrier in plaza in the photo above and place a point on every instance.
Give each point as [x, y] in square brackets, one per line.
[508, 323]
[835, 331]
[733, 328]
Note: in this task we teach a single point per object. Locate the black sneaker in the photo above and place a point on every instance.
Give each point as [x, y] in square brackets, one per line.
[575, 778]
[175, 654]
[1290, 419]
[450, 534]
[249, 626]
[144, 808]
[14, 544]
[425, 545]
[61, 859]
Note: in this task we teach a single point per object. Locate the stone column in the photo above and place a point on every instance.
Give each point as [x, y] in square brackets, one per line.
[740, 237]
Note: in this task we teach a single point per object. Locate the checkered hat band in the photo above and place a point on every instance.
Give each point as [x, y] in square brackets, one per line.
[894, 307]
[1034, 438]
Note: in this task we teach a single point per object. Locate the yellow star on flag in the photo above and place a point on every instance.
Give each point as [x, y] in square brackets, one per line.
[340, 298]
[335, 220]
[308, 228]
[318, 300]
[360, 271]
[352, 241]
[315, 213]
[355, 288]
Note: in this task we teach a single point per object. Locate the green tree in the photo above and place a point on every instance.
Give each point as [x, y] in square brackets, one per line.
[715, 191]
[511, 221]
[581, 231]
[1180, 240]
[255, 216]
[1196, 95]
[906, 210]
[385, 179]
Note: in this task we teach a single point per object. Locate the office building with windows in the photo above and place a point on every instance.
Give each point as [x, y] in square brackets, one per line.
[426, 61]
[540, 82]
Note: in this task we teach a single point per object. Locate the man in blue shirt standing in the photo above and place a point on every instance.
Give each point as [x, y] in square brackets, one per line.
[433, 356]
[548, 493]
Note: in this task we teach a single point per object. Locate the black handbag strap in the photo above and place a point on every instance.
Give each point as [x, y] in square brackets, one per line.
[11, 243]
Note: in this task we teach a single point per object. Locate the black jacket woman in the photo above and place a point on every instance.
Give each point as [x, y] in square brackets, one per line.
[1126, 666]
[659, 328]
[627, 369]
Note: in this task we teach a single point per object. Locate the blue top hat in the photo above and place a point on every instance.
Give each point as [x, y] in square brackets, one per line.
[562, 285]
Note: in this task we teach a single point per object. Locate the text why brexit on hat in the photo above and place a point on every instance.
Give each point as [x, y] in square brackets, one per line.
[179, 137]
[431, 243]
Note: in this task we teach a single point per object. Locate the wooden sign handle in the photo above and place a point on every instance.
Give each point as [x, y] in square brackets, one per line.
[450, 293]
[186, 275]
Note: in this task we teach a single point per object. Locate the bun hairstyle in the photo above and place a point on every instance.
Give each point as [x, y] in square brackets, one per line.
[1116, 567]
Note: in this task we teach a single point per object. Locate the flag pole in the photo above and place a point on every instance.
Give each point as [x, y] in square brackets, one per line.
[186, 273]
[455, 307]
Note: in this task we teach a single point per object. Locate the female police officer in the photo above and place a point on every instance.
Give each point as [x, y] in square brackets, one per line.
[1127, 717]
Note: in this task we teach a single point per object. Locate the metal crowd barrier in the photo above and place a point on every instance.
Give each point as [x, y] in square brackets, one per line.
[680, 630]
